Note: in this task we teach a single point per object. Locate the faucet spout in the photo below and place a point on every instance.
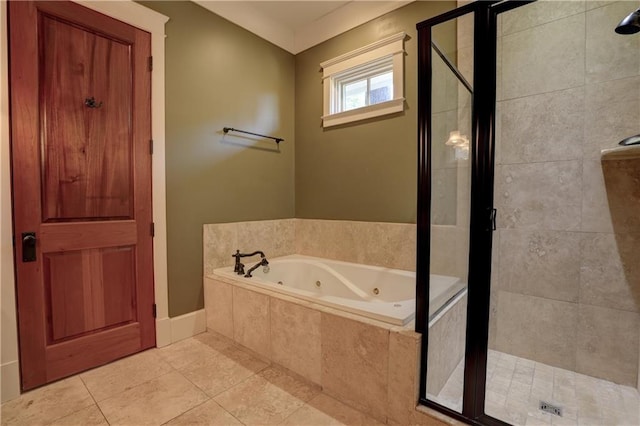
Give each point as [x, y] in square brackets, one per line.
[263, 262]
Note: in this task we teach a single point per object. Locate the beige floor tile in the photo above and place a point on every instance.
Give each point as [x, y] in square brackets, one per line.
[217, 373]
[214, 340]
[124, 374]
[90, 416]
[324, 410]
[154, 402]
[209, 413]
[46, 404]
[181, 354]
[266, 398]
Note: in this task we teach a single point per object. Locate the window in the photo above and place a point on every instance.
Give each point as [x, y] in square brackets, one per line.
[365, 83]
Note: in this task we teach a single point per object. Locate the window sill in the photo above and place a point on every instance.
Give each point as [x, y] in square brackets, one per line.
[371, 111]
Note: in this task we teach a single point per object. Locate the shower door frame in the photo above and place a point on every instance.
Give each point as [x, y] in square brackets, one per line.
[482, 214]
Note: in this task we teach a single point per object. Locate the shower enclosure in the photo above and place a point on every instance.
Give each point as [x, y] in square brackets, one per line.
[541, 227]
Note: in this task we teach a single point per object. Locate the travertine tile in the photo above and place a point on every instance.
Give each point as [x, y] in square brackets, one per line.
[538, 14]
[221, 371]
[607, 53]
[607, 344]
[207, 414]
[446, 345]
[444, 93]
[596, 214]
[124, 374]
[266, 398]
[557, 50]
[273, 237]
[324, 238]
[355, 364]
[622, 182]
[610, 271]
[90, 416]
[295, 338]
[537, 328]
[220, 241]
[251, 320]
[391, 245]
[324, 410]
[540, 263]
[539, 195]
[218, 303]
[442, 156]
[612, 113]
[51, 402]
[384, 244]
[153, 402]
[545, 127]
[404, 374]
[443, 196]
[463, 193]
[443, 259]
[284, 238]
[189, 351]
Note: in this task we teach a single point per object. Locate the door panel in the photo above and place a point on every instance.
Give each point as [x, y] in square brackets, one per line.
[89, 290]
[82, 184]
[87, 150]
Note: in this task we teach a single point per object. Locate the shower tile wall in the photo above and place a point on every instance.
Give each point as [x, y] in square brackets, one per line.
[566, 276]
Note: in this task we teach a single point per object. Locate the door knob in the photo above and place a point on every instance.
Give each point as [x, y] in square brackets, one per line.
[29, 246]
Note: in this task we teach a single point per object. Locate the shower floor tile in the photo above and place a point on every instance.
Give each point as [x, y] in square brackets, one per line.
[172, 386]
[515, 386]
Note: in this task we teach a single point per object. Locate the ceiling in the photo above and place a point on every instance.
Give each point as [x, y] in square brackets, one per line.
[298, 25]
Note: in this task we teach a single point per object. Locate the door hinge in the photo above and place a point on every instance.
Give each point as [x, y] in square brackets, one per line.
[153, 229]
[154, 309]
[151, 146]
[150, 63]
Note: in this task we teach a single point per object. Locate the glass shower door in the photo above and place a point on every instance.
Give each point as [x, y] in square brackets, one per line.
[450, 136]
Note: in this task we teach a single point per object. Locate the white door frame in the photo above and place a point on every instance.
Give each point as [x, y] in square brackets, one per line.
[152, 22]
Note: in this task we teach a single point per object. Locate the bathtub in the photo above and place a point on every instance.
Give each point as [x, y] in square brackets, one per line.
[375, 292]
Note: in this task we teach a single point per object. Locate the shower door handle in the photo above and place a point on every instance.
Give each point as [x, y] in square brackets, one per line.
[492, 219]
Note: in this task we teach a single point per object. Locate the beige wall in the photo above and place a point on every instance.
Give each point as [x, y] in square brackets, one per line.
[218, 75]
[365, 170]
[566, 272]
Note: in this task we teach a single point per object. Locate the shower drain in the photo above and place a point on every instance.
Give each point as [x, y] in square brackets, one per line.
[556, 410]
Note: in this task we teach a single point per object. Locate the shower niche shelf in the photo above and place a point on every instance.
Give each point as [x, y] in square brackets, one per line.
[621, 153]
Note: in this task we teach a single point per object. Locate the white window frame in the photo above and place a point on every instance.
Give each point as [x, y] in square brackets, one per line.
[351, 62]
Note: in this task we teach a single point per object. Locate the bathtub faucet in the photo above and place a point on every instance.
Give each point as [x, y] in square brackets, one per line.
[263, 262]
[239, 267]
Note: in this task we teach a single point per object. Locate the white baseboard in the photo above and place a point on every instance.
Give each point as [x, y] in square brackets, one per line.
[10, 381]
[188, 325]
[163, 331]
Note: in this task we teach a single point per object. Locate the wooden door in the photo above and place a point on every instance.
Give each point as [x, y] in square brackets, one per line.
[81, 164]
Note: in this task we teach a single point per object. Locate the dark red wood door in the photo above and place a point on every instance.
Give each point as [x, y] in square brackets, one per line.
[80, 133]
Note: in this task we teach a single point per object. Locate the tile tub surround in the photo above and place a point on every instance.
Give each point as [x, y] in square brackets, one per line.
[373, 243]
[391, 245]
[367, 364]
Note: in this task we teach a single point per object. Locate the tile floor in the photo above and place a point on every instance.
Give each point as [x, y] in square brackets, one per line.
[516, 385]
[203, 380]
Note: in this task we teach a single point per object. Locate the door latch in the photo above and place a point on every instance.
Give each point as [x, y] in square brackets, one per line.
[29, 246]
